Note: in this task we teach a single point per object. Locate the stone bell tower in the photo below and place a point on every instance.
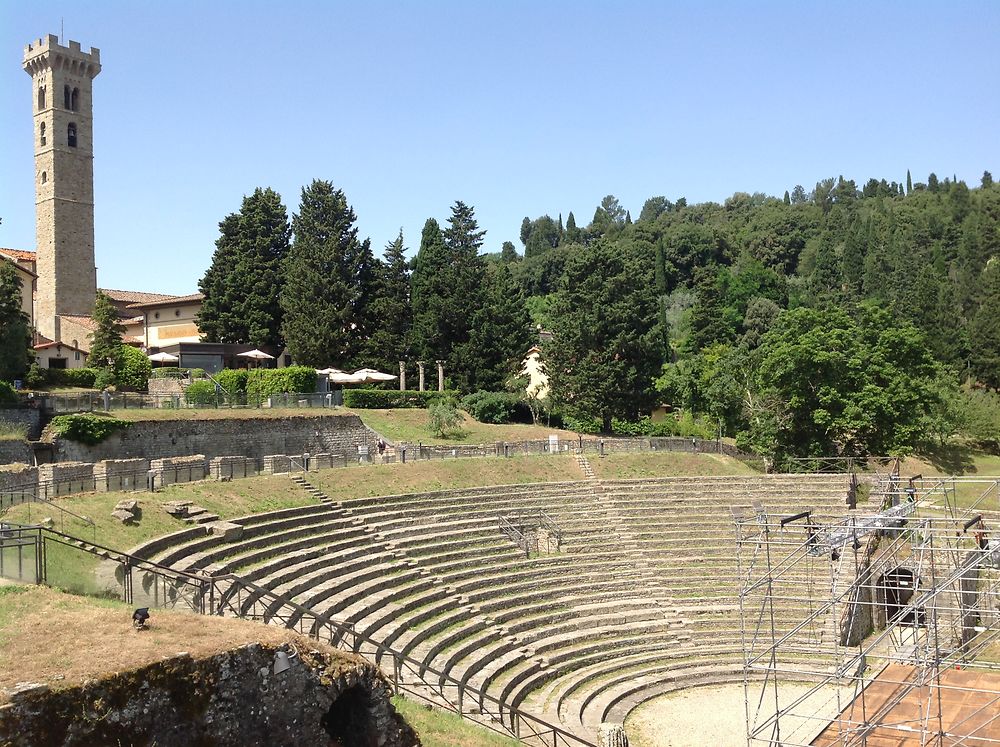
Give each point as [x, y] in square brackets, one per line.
[62, 84]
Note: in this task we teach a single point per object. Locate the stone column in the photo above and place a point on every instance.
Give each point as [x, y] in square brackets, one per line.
[420, 367]
[402, 376]
[440, 375]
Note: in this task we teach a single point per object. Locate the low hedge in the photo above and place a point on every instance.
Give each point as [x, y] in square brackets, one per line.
[78, 377]
[233, 380]
[387, 399]
[685, 425]
[7, 394]
[88, 428]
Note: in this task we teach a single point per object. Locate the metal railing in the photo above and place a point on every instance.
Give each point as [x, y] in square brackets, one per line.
[60, 403]
[140, 581]
[513, 526]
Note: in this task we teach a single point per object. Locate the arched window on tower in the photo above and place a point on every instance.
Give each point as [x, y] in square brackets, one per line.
[45, 177]
[75, 100]
[66, 97]
[41, 98]
[71, 135]
[41, 133]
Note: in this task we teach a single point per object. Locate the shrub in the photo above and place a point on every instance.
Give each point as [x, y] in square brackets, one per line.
[7, 394]
[497, 407]
[81, 377]
[133, 369]
[201, 393]
[105, 379]
[444, 416]
[386, 399]
[234, 381]
[87, 429]
[582, 424]
[35, 378]
[263, 382]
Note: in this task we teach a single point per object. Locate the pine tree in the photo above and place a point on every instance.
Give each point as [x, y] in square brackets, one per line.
[435, 313]
[327, 294]
[852, 262]
[709, 324]
[15, 337]
[243, 283]
[987, 181]
[984, 330]
[607, 344]
[500, 335]
[391, 313]
[106, 339]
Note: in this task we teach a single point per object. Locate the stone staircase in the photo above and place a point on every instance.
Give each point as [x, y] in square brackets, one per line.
[584, 464]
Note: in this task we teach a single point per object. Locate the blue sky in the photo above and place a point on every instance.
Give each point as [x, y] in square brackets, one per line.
[518, 108]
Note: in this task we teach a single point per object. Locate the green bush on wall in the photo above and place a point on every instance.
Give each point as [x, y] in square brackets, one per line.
[387, 399]
[133, 369]
[497, 407]
[201, 393]
[87, 429]
[233, 380]
[78, 377]
[7, 394]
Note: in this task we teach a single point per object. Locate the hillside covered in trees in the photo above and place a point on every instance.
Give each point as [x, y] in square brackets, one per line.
[835, 320]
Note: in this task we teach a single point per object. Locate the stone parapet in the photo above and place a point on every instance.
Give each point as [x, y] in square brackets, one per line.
[120, 474]
[179, 469]
[65, 478]
[277, 464]
[230, 467]
[17, 485]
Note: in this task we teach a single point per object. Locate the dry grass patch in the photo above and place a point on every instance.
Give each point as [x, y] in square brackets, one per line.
[62, 640]
[665, 464]
[444, 474]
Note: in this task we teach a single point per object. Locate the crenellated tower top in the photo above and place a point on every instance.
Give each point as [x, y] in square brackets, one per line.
[47, 53]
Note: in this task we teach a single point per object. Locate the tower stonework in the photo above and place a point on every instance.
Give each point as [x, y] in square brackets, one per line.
[62, 85]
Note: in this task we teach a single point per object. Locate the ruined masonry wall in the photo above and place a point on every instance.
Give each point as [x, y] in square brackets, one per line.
[248, 437]
[182, 701]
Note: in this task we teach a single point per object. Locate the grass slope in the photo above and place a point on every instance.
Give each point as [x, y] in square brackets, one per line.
[444, 474]
[665, 463]
[411, 425]
[439, 729]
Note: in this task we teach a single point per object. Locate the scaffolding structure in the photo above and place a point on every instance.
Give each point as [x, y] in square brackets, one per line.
[882, 628]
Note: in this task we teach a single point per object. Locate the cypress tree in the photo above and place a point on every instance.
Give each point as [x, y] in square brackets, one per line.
[508, 253]
[436, 311]
[328, 289]
[15, 337]
[243, 283]
[909, 182]
[573, 234]
[788, 198]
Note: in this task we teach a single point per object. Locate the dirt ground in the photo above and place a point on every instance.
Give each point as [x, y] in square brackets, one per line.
[715, 717]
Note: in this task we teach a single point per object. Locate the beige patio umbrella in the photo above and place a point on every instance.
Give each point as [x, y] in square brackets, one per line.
[257, 355]
[371, 376]
[345, 378]
[163, 358]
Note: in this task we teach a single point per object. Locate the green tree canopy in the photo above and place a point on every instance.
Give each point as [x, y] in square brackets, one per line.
[607, 346]
[243, 284]
[15, 336]
[106, 340]
[327, 294]
[390, 310]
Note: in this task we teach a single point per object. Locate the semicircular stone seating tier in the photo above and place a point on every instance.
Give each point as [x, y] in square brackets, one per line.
[639, 600]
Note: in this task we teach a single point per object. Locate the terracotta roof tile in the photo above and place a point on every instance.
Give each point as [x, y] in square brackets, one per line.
[18, 254]
[131, 297]
[169, 300]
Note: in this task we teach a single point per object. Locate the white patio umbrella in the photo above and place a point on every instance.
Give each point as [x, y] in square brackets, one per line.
[257, 355]
[163, 358]
[345, 378]
[328, 371]
[370, 375]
